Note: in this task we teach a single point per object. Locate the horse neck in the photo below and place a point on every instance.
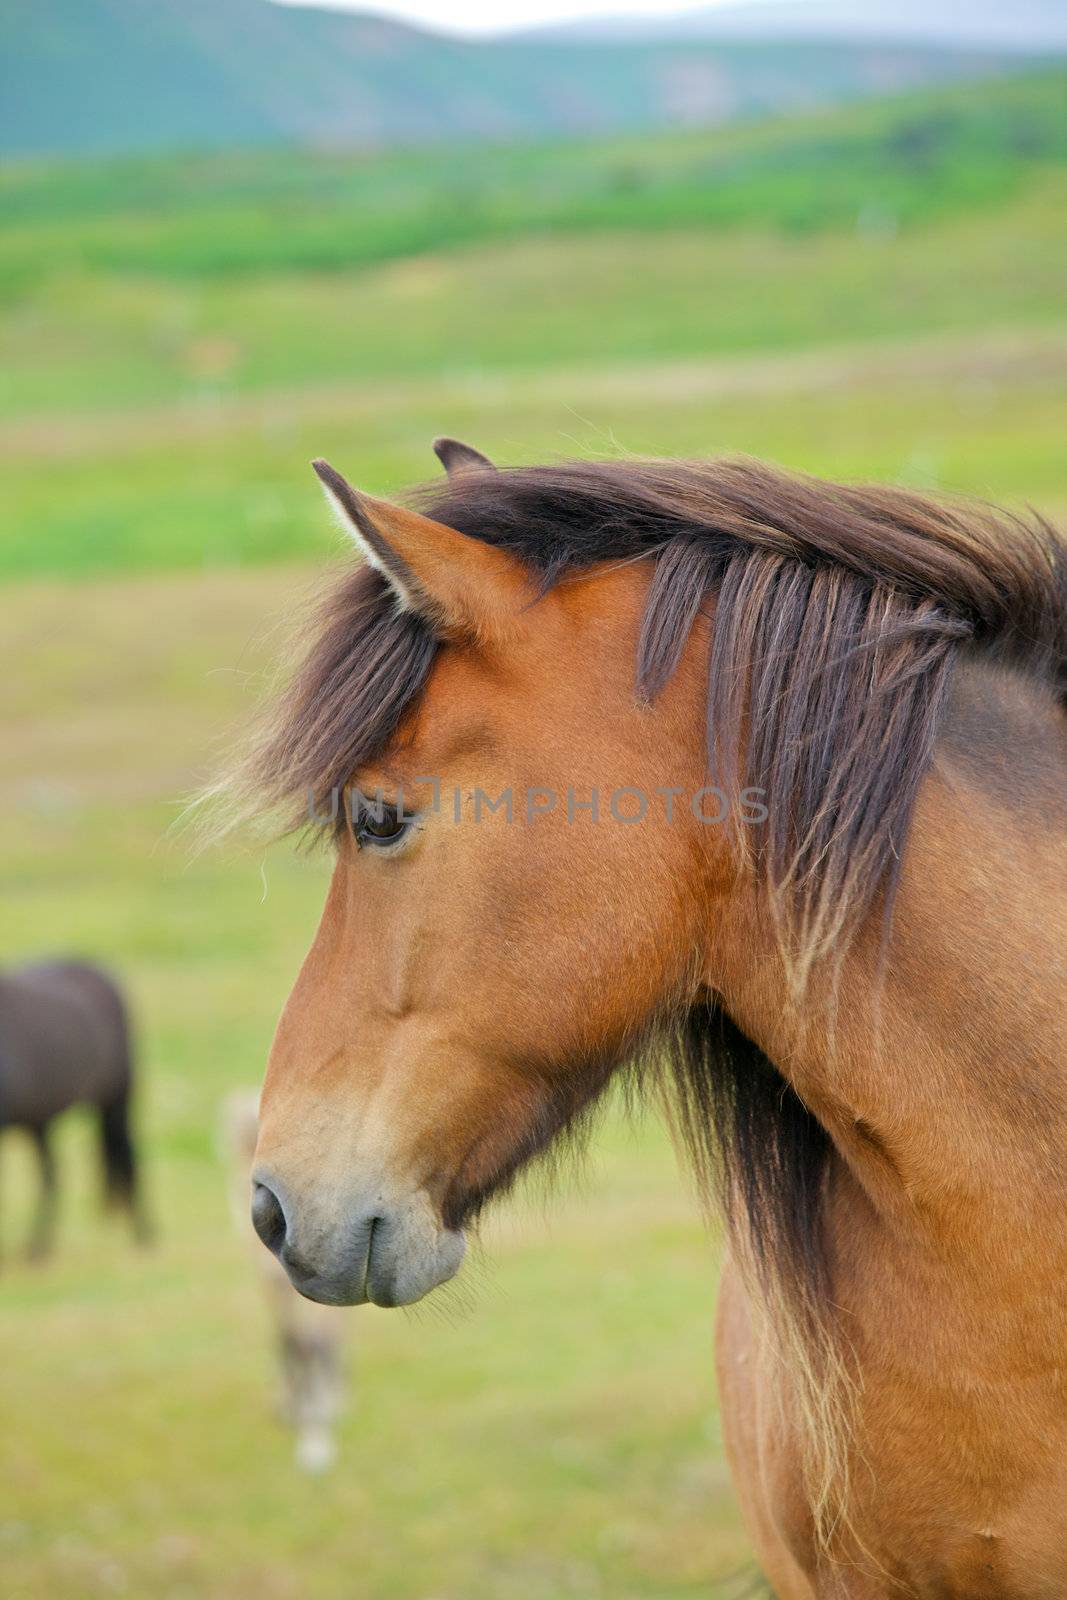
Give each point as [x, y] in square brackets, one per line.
[939, 1067]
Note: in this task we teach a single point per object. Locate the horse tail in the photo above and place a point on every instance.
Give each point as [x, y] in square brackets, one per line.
[121, 1167]
[122, 1186]
[117, 1150]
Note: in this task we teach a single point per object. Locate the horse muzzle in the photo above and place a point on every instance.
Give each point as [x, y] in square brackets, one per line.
[389, 1252]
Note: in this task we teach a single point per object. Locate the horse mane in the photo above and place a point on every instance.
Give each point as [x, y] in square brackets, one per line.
[839, 615]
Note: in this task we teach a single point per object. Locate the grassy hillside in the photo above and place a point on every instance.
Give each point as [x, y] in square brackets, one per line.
[92, 76]
[176, 339]
[891, 163]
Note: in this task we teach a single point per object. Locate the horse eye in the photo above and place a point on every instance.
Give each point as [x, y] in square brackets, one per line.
[378, 827]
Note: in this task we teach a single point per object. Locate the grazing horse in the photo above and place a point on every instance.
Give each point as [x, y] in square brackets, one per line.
[761, 782]
[65, 1041]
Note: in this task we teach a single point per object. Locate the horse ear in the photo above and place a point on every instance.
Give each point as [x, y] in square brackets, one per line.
[462, 586]
[457, 457]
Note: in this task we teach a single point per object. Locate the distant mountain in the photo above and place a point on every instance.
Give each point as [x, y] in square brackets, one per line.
[97, 76]
[1026, 25]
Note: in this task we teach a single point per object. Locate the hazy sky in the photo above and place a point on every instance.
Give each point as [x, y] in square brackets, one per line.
[490, 16]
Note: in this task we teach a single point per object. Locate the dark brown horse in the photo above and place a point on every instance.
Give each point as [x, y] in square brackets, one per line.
[764, 780]
[65, 1041]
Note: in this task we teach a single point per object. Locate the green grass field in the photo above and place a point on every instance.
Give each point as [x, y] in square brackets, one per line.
[172, 351]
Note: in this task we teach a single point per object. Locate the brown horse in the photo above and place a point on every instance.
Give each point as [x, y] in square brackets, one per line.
[763, 780]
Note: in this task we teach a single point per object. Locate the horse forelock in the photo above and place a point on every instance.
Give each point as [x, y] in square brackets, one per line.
[839, 614]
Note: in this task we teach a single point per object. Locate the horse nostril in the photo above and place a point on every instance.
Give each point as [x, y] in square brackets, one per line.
[268, 1218]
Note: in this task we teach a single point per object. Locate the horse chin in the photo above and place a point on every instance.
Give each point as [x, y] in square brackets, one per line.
[401, 1277]
[395, 1261]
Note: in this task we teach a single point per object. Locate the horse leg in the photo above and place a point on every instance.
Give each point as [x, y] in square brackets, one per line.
[42, 1233]
[310, 1378]
[765, 1467]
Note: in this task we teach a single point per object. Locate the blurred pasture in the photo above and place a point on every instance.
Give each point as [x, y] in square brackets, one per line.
[876, 292]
